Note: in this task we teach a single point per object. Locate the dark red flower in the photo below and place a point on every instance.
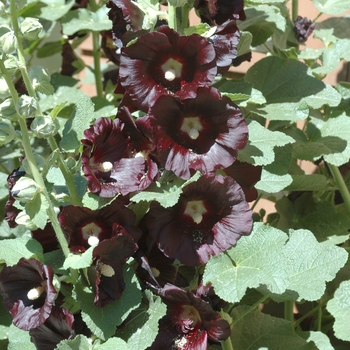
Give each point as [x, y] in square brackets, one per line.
[28, 292]
[247, 175]
[162, 63]
[303, 28]
[189, 322]
[210, 216]
[219, 11]
[110, 161]
[57, 327]
[202, 133]
[225, 42]
[46, 237]
[84, 227]
[107, 272]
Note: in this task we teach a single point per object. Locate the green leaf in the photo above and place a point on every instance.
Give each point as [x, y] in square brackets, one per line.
[78, 122]
[245, 42]
[167, 195]
[4, 191]
[304, 265]
[272, 183]
[113, 344]
[12, 250]
[312, 182]
[103, 321]
[79, 261]
[261, 144]
[340, 26]
[83, 19]
[203, 29]
[262, 21]
[339, 307]
[260, 331]
[321, 340]
[40, 80]
[55, 9]
[19, 339]
[332, 7]
[79, 342]
[37, 210]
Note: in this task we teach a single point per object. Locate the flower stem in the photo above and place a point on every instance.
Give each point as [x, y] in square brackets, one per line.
[172, 18]
[341, 185]
[253, 307]
[75, 199]
[295, 9]
[311, 312]
[96, 54]
[288, 310]
[227, 344]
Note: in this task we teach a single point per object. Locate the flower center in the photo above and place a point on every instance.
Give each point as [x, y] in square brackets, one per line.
[172, 69]
[191, 126]
[106, 270]
[91, 232]
[188, 319]
[104, 167]
[35, 293]
[195, 209]
[156, 272]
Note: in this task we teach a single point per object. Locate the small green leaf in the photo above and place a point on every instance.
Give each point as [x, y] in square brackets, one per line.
[79, 261]
[339, 307]
[55, 9]
[272, 183]
[19, 339]
[321, 340]
[260, 331]
[79, 342]
[113, 344]
[76, 125]
[339, 25]
[37, 210]
[332, 7]
[245, 42]
[312, 182]
[83, 19]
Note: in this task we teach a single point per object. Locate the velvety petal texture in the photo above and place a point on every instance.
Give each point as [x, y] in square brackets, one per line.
[189, 322]
[28, 292]
[111, 163]
[163, 63]
[210, 216]
[201, 133]
[84, 227]
[57, 327]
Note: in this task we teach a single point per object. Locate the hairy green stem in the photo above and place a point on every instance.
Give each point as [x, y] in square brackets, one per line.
[253, 307]
[227, 344]
[341, 185]
[288, 310]
[172, 18]
[295, 9]
[75, 199]
[96, 54]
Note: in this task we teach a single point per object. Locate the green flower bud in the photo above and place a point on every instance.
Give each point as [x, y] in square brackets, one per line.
[4, 89]
[40, 79]
[7, 133]
[27, 106]
[8, 41]
[25, 189]
[11, 64]
[31, 28]
[2, 8]
[23, 218]
[8, 110]
[44, 126]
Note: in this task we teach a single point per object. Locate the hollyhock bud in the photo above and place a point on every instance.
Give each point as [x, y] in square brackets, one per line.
[7, 132]
[303, 28]
[31, 28]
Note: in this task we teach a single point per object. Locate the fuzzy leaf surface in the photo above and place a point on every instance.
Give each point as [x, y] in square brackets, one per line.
[332, 7]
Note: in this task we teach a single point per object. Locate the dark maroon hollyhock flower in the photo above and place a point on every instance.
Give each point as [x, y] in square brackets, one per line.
[162, 63]
[210, 216]
[107, 273]
[225, 42]
[203, 133]
[28, 292]
[57, 327]
[219, 11]
[47, 238]
[68, 57]
[11, 211]
[247, 175]
[109, 48]
[110, 162]
[84, 227]
[242, 58]
[303, 28]
[189, 322]
[126, 19]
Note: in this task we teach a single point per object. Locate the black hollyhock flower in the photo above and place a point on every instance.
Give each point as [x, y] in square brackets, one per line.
[303, 28]
[57, 327]
[11, 210]
[107, 272]
[127, 19]
[225, 42]
[163, 63]
[210, 216]
[216, 12]
[46, 237]
[84, 227]
[189, 322]
[28, 292]
[247, 175]
[203, 133]
[110, 161]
